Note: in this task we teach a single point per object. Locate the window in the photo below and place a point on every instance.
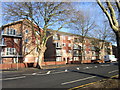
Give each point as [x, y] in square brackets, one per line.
[76, 59]
[58, 59]
[37, 33]
[69, 45]
[26, 31]
[58, 45]
[26, 40]
[15, 60]
[76, 46]
[11, 31]
[64, 44]
[2, 41]
[26, 50]
[36, 49]
[58, 53]
[69, 51]
[56, 37]
[76, 52]
[10, 51]
[64, 51]
[14, 32]
[69, 38]
[70, 59]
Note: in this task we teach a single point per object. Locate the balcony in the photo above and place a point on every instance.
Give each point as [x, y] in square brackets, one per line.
[14, 35]
[94, 55]
[76, 55]
[58, 46]
[59, 54]
[3, 45]
[4, 55]
[93, 49]
[78, 48]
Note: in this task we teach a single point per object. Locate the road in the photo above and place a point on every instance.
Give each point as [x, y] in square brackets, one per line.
[65, 77]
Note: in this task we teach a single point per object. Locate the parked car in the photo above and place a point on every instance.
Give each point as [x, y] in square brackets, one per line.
[96, 61]
[110, 58]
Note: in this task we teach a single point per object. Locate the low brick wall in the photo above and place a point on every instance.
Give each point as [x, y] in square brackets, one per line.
[86, 61]
[53, 63]
[12, 66]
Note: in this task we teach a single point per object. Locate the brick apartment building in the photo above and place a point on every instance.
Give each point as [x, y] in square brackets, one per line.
[18, 45]
[67, 47]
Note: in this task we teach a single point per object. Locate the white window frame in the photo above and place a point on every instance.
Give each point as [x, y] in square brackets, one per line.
[26, 50]
[26, 40]
[10, 51]
[64, 44]
[69, 45]
[64, 51]
[69, 38]
[58, 52]
[70, 51]
[26, 31]
[76, 59]
[10, 31]
[58, 59]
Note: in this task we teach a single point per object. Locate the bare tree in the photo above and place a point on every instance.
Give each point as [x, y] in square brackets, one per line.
[81, 24]
[101, 34]
[42, 14]
[111, 10]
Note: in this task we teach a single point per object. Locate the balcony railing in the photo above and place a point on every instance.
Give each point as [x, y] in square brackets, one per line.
[76, 54]
[4, 55]
[76, 48]
[3, 44]
[11, 35]
[59, 46]
[58, 54]
[94, 55]
[93, 49]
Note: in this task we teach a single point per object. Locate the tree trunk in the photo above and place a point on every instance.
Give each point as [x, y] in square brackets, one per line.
[118, 51]
[40, 57]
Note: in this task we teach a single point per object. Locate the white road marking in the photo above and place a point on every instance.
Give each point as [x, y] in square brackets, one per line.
[59, 72]
[78, 68]
[13, 78]
[48, 72]
[34, 73]
[96, 66]
[66, 70]
[77, 80]
[53, 73]
[113, 71]
[87, 67]
[105, 65]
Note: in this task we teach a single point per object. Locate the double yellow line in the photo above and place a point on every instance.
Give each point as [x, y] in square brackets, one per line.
[81, 86]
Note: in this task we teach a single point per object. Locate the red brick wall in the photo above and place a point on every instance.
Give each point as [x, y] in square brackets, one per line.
[12, 66]
[86, 61]
[53, 63]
